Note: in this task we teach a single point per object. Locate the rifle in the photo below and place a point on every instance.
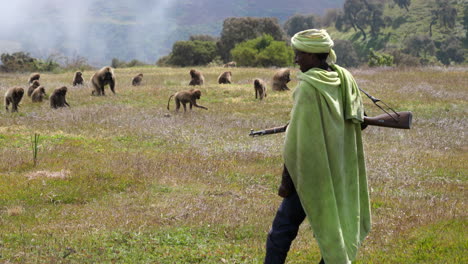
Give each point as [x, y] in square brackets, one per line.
[394, 119]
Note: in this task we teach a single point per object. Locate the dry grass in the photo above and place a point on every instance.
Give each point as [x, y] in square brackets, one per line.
[119, 180]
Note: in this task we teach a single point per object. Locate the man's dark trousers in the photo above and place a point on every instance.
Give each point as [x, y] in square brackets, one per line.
[284, 229]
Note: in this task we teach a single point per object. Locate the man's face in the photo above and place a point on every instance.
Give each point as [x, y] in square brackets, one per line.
[305, 60]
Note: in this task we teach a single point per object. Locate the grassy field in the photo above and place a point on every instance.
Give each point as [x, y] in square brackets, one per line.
[118, 180]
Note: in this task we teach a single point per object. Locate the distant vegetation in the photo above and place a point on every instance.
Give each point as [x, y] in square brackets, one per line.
[404, 32]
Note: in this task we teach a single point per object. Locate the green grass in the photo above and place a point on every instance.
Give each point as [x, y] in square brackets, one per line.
[118, 180]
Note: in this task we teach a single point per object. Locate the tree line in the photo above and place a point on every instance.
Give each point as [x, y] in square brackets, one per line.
[249, 41]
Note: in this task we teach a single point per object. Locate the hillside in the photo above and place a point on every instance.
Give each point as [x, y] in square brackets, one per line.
[145, 30]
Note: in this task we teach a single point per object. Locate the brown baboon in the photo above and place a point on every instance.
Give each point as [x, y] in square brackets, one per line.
[185, 97]
[34, 76]
[78, 78]
[197, 77]
[230, 64]
[38, 94]
[57, 98]
[260, 89]
[137, 79]
[280, 79]
[225, 77]
[33, 86]
[13, 96]
[101, 78]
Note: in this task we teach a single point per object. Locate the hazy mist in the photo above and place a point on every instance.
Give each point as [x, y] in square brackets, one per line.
[100, 30]
[81, 28]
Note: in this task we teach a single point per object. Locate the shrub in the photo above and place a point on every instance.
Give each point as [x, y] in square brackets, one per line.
[23, 62]
[192, 53]
[379, 59]
[263, 52]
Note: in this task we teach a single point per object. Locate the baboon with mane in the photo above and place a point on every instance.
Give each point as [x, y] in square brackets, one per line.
[280, 79]
[101, 78]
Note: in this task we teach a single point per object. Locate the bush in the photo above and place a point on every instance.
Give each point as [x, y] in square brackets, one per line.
[377, 59]
[402, 59]
[23, 62]
[263, 52]
[192, 53]
[116, 63]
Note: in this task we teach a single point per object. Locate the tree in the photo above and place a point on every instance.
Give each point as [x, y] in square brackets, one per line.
[299, 22]
[444, 13]
[360, 14]
[345, 53]
[191, 53]
[238, 29]
[451, 50]
[420, 45]
[330, 17]
[403, 3]
[203, 37]
[263, 51]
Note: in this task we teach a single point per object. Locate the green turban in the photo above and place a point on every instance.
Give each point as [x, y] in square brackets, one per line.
[314, 41]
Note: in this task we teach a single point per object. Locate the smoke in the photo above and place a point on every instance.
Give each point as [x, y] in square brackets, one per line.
[98, 30]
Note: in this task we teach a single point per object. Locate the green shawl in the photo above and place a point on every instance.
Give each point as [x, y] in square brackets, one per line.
[324, 156]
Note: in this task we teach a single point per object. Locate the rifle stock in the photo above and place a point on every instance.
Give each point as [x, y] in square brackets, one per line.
[400, 120]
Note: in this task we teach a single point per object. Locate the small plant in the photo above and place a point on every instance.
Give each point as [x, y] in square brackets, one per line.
[35, 147]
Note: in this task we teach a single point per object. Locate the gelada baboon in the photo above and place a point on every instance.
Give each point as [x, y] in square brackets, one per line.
[137, 79]
[38, 94]
[185, 97]
[13, 96]
[230, 64]
[225, 77]
[197, 77]
[260, 89]
[101, 78]
[280, 79]
[57, 98]
[78, 78]
[33, 86]
[34, 76]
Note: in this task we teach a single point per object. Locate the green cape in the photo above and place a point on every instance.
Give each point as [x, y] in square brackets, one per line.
[324, 156]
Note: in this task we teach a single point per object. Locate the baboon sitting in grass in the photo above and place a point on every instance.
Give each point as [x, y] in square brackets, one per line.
[57, 98]
[78, 78]
[184, 97]
[197, 77]
[225, 78]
